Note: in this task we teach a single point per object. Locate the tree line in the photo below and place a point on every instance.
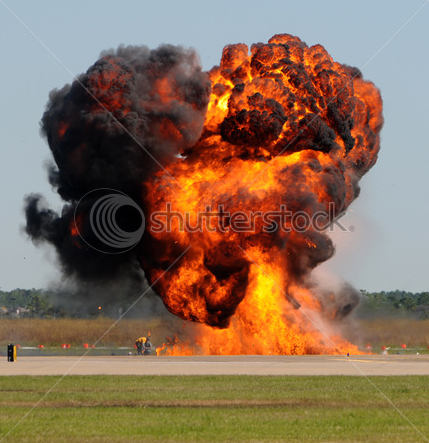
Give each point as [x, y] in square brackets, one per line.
[394, 303]
[27, 303]
[45, 304]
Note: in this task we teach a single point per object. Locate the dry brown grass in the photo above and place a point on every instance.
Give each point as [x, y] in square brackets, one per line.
[394, 332]
[32, 332]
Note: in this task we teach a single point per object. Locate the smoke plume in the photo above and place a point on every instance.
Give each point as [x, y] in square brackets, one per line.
[132, 111]
[277, 128]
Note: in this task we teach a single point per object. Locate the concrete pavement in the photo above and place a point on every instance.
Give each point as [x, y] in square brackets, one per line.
[219, 365]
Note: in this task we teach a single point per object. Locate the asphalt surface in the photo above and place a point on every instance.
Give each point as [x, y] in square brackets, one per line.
[219, 365]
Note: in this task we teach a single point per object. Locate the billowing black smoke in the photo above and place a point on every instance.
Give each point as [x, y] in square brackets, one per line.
[280, 105]
[133, 110]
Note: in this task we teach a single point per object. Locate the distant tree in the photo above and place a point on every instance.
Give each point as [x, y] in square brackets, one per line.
[36, 305]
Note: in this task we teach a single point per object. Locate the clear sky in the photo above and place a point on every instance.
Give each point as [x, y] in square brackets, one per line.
[388, 249]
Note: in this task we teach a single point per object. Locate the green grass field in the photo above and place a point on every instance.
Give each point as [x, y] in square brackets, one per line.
[213, 409]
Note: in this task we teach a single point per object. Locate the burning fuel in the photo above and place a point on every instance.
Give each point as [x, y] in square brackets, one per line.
[279, 125]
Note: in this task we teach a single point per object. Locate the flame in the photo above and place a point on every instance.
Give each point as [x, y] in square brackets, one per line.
[62, 128]
[285, 125]
[75, 228]
[258, 157]
[76, 225]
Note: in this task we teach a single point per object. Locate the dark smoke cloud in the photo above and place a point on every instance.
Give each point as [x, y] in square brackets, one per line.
[136, 109]
[133, 110]
[131, 106]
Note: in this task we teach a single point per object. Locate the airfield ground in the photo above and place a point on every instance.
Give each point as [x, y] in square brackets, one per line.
[219, 365]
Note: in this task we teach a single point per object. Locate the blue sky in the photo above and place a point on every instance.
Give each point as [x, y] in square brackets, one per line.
[389, 247]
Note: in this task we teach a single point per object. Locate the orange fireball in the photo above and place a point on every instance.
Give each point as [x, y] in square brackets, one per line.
[287, 129]
[239, 172]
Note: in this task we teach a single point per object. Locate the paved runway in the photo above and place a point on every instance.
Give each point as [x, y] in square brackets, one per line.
[219, 365]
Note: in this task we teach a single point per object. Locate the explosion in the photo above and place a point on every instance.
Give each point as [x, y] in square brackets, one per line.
[238, 171]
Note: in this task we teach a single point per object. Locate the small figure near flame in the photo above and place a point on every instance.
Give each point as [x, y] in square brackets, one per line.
[140, 344]
[143, 345]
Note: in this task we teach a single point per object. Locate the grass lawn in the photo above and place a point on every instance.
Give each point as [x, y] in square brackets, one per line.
[213, 409]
